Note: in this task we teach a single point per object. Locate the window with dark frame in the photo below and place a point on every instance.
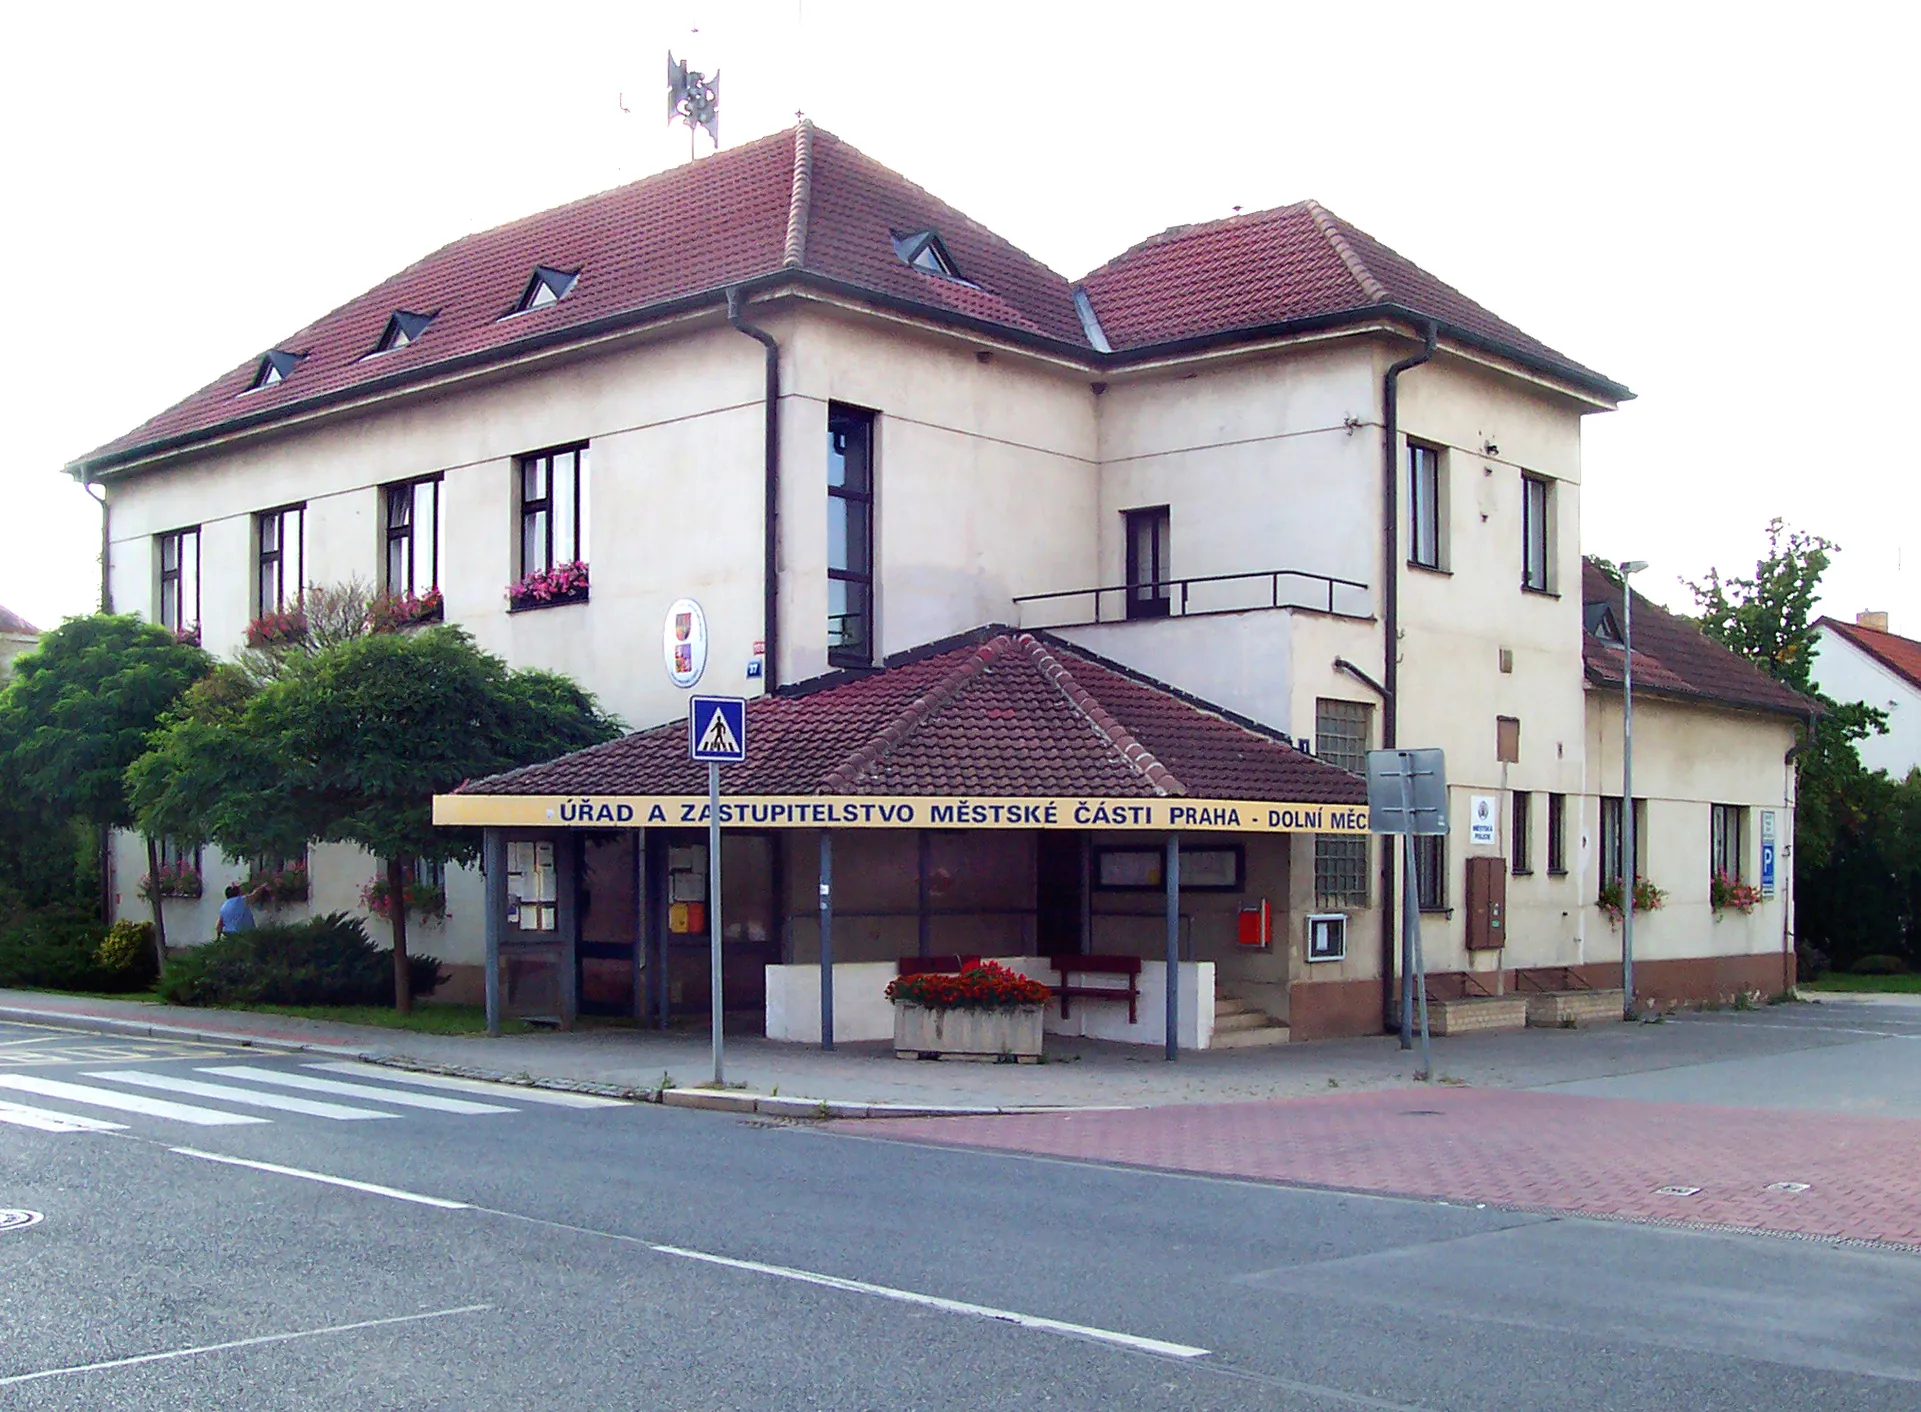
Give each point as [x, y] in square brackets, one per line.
[179, 605]
[850, 536]
[1149, 531]
[1727, 825]
[279, 558]
[413, 536]
[1342, 730]
[1424, 506]
[1537, 563]
[174, 854]
[1521, 861]
[1430, 854]
[1612, 841]
[1557, 834]
[553, 508]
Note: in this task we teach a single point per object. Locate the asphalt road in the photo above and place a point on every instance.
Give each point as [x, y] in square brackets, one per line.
[632, 1256]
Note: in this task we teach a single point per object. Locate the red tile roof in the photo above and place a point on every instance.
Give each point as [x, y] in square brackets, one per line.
[1900, 655]
[1275, 267]
[802, 205]
[12, 622]
[996, 714]
[1672, 657]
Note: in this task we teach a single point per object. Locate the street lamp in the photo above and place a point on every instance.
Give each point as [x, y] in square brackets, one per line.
[1628, 569]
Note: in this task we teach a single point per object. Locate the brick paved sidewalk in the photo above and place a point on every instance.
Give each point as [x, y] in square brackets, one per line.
[1554, 1152]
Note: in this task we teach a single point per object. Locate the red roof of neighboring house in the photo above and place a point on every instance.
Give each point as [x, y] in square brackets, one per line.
[1900, 655]
[1672, 657]
[802, 205]
[997, 713]
[12, 622]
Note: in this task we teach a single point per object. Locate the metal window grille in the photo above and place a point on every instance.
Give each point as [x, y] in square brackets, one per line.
[1340, 870]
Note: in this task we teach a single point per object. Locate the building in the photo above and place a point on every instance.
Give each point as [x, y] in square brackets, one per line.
[1238, 460]
[1863, 661]
[17, 635]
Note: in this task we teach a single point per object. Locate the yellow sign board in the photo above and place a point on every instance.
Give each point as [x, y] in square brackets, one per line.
[812, 811]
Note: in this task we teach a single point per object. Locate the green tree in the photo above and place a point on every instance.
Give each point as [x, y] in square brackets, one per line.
[350, 743]
[78, 713]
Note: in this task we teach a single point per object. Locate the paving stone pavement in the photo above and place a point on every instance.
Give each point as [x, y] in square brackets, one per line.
[1580, 1155]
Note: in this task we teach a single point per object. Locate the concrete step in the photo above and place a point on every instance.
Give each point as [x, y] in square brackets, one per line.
[1271, 1033]
[1242, 1020]
[1239, 1025]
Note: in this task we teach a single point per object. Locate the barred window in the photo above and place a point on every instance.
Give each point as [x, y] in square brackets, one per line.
[1341, 731]
[1340, 870]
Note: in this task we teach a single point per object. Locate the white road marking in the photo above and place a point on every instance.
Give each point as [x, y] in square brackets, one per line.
[559, 1098]
[949, 1306]
[381, 1095]
[194, 1088]
[241, 1343]
[371, 1188]
[126, 1102]
[47, 1121]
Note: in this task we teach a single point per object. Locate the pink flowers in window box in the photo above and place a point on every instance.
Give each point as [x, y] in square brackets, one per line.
[393, 611]
[173, 880]
[546, 588]
[1725, 892]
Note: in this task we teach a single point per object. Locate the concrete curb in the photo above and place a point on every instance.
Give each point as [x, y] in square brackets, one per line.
[713, 1100]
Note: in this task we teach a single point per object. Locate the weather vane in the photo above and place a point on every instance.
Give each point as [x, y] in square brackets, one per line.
[693, 98]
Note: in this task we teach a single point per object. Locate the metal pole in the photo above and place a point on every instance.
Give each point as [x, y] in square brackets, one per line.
[1173, 890]
[713, 912]
[826, 940]
[1409, 901]
[1627, 803]
[493, 852]
[1411, 914]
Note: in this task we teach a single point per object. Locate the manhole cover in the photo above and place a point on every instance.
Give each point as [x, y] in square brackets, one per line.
[1787, 1186]
[18, 1220]
[1677, 1191]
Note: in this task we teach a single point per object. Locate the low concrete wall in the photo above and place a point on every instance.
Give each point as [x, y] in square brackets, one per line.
[1477, 1014]
[1575, 1007]
[863, 1012]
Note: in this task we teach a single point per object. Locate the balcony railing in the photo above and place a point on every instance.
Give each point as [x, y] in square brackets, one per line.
[1197, 597]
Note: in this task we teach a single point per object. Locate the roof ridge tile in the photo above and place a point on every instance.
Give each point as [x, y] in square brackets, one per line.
[1138, 757]
[795, 251]
[1329, 226]
[914, 714]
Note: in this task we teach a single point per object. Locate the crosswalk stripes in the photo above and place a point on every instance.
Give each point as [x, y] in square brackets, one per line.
[195, 1088]
[559, 1098]
[23, 1115]
[407, 1100]
[126, 1102]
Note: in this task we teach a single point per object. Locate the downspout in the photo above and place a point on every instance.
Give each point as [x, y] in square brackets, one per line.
[106, 519]
[1391, 628]
[770, 546]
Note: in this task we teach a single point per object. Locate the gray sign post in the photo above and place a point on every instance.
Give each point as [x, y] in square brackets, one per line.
[716, 731]
[1407, 796]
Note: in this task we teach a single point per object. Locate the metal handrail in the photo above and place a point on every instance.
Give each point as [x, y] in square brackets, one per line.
[1157, 586]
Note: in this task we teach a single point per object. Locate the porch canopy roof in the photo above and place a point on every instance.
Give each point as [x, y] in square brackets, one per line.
[993, 729]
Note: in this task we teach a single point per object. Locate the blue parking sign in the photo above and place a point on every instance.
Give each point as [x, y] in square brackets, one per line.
[717, 729]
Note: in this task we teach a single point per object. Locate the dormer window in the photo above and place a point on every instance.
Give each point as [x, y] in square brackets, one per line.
[276, 366]
[1601, 622]
[924, 251]
[403, 328]
[548, 286]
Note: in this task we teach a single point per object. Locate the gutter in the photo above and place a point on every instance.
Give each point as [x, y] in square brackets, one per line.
[1391, 628]
[770, 477]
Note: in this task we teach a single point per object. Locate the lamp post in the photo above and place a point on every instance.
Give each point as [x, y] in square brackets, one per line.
[1628, 569]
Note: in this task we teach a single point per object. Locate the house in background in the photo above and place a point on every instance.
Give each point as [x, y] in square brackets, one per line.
[1265, 466]
[1863, 661]
[17, 635]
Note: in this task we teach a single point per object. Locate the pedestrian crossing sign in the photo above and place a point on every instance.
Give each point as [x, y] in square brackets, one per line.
[717, 729]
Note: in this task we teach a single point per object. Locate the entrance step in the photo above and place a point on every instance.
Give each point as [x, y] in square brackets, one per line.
[1238, 1025]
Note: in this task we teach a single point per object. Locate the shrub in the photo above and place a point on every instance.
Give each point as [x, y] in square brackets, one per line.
[1879, 965]
[988, 986]
[126, 957]
[57, 948]
[325, 961]
[1810, 961]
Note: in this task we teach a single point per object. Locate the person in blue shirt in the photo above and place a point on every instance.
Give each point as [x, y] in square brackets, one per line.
[235, 914]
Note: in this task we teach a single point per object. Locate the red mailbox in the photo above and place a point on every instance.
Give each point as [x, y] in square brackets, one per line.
[1257, 926]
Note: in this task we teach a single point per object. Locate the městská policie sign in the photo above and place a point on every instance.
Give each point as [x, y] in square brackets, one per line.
[809, 811]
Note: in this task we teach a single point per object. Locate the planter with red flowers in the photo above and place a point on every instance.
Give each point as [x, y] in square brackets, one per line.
[1725, 892]
[425, 900]
[549, 588]
[283, 629]
[391, 612]
[986, 1013]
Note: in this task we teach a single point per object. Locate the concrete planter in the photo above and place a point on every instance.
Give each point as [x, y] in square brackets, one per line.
[981, 1035]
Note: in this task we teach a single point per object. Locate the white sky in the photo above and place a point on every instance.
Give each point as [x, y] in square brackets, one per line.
[1714, 205]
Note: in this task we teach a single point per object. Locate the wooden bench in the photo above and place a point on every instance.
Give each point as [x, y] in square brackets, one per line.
[1071, 966]
[934, 965]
